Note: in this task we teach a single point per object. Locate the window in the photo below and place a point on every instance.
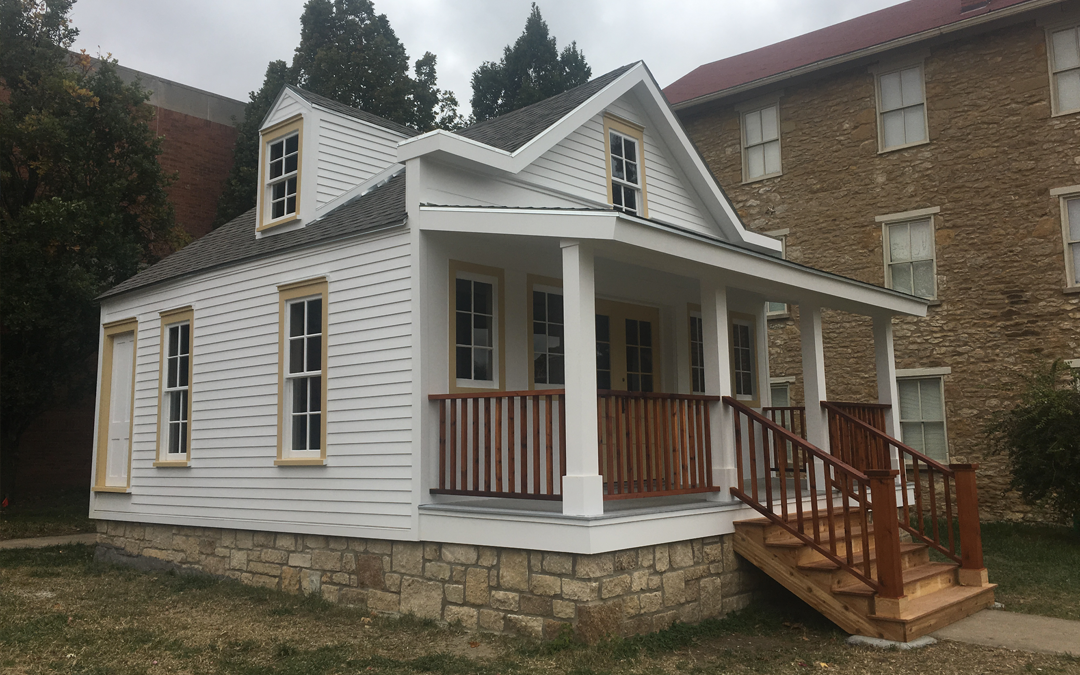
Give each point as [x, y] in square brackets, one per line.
[1070, 217]
[761, 143]
[603, 352]
[922, 416]
[116, 406]
[547, 336]
[744, 359]
[174, 413]
[302, 383]
[901, 108]
[639, 355]
[909, 257]
[476, 354]
[626, 174]
[697, 354]
[280, 173]
[780, 393]
[1065, 70]
[777, 310]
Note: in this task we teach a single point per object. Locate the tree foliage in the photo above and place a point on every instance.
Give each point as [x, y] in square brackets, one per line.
[350, 54]
[530, 71]
[82, 205]
[1041, 437]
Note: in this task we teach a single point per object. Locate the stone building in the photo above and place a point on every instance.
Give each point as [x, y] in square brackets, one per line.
[199, 132]
[932, 147]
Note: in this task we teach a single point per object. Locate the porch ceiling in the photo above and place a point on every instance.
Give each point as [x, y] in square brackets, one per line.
[678, 251]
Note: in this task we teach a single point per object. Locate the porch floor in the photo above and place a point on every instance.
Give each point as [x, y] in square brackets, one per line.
[615, 508]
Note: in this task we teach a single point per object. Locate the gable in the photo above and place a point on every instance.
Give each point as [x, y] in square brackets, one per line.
[289, 105]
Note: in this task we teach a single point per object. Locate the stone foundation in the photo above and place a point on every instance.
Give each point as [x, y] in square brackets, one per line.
[534, 593]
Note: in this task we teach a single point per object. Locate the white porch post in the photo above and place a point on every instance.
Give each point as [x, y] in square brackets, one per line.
[583, 488]
[885, 364]
[813, 364]
[716, 342]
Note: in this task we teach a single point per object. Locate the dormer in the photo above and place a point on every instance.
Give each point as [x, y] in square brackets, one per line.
[313, 153]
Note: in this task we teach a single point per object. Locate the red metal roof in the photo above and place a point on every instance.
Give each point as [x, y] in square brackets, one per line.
[886, 25]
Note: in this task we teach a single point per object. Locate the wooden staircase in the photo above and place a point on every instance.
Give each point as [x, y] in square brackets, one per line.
[834, 533]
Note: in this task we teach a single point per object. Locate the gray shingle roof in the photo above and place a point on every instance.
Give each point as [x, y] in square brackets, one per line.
[235, 241]
[349, 111]
[514, 129]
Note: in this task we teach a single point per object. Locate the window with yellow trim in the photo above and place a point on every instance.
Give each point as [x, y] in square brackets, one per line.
[302, 376]
[116, 404]
[174, 413]
[280, 173]
[625, 144]
[744, 359]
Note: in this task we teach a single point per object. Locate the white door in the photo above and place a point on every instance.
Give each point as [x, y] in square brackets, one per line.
[116, 465]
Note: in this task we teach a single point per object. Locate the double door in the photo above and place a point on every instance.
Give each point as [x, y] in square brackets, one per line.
[627, 347]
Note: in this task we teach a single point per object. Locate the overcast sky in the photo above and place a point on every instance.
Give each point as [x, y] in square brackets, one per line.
[223, 46]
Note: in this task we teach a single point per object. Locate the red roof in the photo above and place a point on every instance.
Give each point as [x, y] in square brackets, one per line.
[886, 25]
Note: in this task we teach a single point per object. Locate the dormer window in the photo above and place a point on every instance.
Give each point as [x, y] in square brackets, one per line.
[280, 174]
[626, 173]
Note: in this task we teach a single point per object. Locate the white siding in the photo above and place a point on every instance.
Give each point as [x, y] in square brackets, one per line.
[367, 484]
[350, 152]
[287, 107]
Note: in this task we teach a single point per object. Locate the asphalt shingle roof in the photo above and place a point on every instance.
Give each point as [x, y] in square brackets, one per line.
[235, 241]
[514, 129]
[349, 111]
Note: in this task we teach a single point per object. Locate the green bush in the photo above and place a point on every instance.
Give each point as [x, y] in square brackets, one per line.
[1041, 436]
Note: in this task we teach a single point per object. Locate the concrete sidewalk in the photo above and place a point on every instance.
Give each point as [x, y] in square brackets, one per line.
[42, 542]
[1010, 630]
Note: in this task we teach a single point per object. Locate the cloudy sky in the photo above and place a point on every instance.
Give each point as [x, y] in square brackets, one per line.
[223, 46]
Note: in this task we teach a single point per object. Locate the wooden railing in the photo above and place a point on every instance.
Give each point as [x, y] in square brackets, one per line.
[835, 494]
[654, 444]
[502, 444]
[792, 418]
[858, 444]
[929, 489]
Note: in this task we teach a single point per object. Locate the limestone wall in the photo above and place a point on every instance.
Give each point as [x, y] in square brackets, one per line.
[994, 154]
[532, 593]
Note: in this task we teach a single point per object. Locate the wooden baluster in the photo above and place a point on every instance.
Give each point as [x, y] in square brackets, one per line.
[948, 513]
[781, 470]
[706, 414]
[487, 445]
[632, 472]
[453, 405]
[610, 444]
[536, 443]
[932, 490]
[464, 484]
[684, 445]
[498, 445]
[845, 494]
[902, 461]
[752, 454]
[741, 481]
[886, 534]
[864, 521]
[442, 444]
[511, 446]
[549, 440]
[523, 442]
[652, 434]
[691, 446]
[665, 443]
[476, 443]
[617, 445]
[766, 469]
[918, 496]
[797, 482]
[702, 412]
[562, 439]
[811, 475]
[972, 570]
[643, 473]
[829, 475]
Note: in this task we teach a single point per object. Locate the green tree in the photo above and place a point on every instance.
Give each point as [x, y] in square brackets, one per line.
[530, 71]
[350, 54]
[82, 206]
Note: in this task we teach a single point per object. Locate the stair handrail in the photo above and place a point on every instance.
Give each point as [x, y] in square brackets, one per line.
[890, 587]
[970, 536]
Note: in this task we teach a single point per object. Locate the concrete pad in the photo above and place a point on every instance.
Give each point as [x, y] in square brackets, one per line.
[42, 542]
[1009, 630]
[863, 641]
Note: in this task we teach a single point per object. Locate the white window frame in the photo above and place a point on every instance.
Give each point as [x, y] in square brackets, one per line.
[755, 387]
[280, 133]
[176, 319]
[783, 311]
[747, 145]
[1054, 71]
[697, 348]
[636, 133]
[304, 375]
[1065, 196]
[908, 217]
[273, 181]
[547, 291]
[919, 375]
[496, 291]
[290, 295]
[881, 111]
[779, 383]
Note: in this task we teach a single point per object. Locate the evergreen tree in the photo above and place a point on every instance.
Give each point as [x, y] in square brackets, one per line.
[350, 54]
[530, 71]
[82, 206]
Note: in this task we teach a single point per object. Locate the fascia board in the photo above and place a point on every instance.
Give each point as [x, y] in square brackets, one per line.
[381, 177]
[444, 142]
[553, 223]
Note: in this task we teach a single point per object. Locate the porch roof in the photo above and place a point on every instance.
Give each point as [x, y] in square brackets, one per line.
[649, 243]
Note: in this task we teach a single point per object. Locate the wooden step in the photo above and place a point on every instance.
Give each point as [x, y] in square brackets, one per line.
[918, 581]
[827, 565]
[930, 612]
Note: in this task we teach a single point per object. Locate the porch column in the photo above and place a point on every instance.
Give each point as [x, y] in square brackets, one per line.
[583, 487]
[813, 365]
[885, 365]
[716, 342]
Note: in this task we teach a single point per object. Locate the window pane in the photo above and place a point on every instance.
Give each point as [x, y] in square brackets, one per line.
[482, 364]
[930, 395]
[780, 397]
[290, 186]
[1076, 262]
[482, 298]
[616, 145]
[315, 393]
[914, 124]
[183, 405]
[922, 241]
[464, 363]
[279, 190]
[645, 333]
[300, 395]
[901, 278]
[632, 363]
[894, 128]
[173, 398]
[899, 243]
[464, 328]
[768, 124]
[777, 308]
[290, 163]
[278, 210]
[539, 306]
[753, 128]
[603, 379]
[314, 316]
[185, 334]
[1068, 90]
[464, 295]
[633, 382]
[296, 356]
[630, 200]
[1066, 54]
[555, 302]
[482, 330]
[890, 92]
[755, 161]
[630, 150]
[603, 356]
[555, 338]
[603, 328]
[183, 437]
[182, 365]
[174, 343]
[631, 332]
[646, 383]
[540, 368]
[934, 441]
[646, 360]
[276, 169]
[314, 353]
[296, 319]
[772, 157]
[923, 279]
[631, 173]
[617, 168]
[911, 86]
[315, 432]
[911, 434]
[292, 144]
[170, 372]
[1073, 207]
[276, 150]
[910, 408]
[556, 373]
[174, 438]
[299, 432]
[616, 194]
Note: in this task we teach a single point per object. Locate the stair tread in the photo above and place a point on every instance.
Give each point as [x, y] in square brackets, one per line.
[791, 541]
[913, 574]
[858, 558]
[944, 598]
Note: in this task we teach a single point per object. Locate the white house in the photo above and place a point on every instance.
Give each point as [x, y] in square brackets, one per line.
[513, 377]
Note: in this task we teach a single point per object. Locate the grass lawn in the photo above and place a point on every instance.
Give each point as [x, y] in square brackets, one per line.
[63, 613]
[64, 513]
[1036, 567]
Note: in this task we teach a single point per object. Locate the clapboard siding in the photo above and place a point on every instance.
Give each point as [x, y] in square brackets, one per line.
[350, 152]
[367, 481]
[288, 107]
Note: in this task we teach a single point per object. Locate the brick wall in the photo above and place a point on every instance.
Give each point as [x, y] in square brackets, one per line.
[994, 153]
[535, 593]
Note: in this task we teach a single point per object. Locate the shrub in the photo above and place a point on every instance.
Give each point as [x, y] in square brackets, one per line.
[1041, 437]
